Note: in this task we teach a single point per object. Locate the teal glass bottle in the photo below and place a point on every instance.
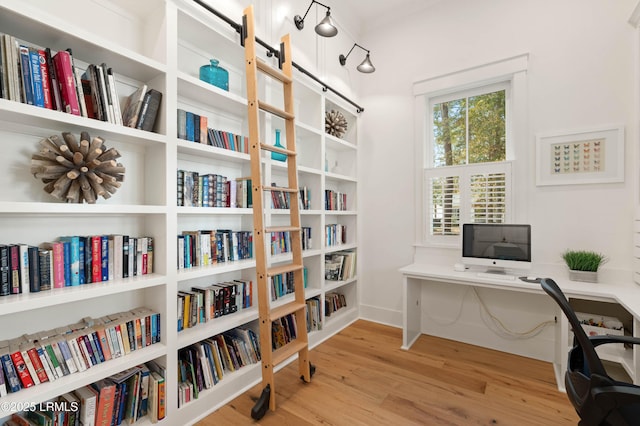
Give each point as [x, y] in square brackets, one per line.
[276, 155]
[215, 74]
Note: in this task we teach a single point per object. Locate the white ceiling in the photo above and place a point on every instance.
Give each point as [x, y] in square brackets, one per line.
[372, 12]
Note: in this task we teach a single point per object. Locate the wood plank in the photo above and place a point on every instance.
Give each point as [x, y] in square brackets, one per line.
[364, 378]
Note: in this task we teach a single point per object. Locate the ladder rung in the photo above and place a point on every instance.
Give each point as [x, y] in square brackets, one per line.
[273, 148]
[282, 229]
[273, 72]
[286, 309]
[279, 188]
[283, 353]
[276, 111]
[282, 269]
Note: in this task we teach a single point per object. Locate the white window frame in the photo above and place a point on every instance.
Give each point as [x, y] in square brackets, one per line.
[510, 72]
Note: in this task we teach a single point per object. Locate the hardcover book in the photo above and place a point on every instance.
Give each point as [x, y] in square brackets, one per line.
[66, 81]
[149, 110]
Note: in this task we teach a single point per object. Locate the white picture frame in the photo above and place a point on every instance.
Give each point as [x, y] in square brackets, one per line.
[587, 156]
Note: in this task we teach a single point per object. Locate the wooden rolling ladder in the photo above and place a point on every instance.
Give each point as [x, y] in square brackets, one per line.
[300, 345]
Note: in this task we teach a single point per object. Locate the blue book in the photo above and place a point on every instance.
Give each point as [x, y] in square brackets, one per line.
[104, 240]
[82, 260]
[73, 259]
[67, 263]
[36, 78]
[25, 67]
[10, 373]
[190, 124]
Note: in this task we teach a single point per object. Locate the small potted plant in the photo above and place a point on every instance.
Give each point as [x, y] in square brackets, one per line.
[583, 264]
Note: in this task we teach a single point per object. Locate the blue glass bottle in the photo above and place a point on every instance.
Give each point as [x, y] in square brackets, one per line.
[214, 74]
[276, 155]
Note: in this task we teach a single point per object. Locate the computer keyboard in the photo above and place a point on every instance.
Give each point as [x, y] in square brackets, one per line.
[495, 276]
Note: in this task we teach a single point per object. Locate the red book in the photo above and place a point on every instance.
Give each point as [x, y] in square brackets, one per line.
[66, 80]
[21, 368]
[46, 79]
[57, 250]
[96, 259]
[37, 364]
[14, 255]
[106, 395]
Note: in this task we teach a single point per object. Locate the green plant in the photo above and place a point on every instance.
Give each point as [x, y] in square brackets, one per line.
[583, 260]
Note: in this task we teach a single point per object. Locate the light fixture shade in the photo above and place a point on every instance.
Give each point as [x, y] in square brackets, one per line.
[366, 66]
[326, 27]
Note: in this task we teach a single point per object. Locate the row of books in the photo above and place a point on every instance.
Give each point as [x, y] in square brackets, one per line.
[194, 128]
[283, 331]
[201, 304]
[283, 284]
[340, 266]
[204, 364]
[72, 261]
[210, 247]
[46, 356]
[335, 234]
[314, 314]
[37, 76]
[121, 398]
[213, 190]
[281, 199]
[335, 200]
[334, 301]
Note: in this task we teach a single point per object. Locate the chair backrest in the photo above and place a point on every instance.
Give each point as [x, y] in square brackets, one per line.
[591, 357]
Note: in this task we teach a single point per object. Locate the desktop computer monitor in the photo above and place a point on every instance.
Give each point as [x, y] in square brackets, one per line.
[497, 246]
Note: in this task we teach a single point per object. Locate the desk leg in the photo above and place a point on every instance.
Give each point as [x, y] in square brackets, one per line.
[411, 318]
[562, 348]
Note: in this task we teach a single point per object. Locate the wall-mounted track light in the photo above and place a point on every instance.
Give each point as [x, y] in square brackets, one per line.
[325, 28]
[366, 66]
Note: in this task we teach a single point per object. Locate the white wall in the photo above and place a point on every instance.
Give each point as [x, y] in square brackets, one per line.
[581, 66]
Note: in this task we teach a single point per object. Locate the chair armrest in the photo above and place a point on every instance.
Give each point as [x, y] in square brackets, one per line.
[610, 338]
[616, 396]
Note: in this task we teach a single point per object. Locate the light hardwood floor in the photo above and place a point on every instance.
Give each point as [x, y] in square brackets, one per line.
[364, 378]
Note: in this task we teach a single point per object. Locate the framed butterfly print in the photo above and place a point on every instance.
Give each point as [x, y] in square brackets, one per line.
[580, 157]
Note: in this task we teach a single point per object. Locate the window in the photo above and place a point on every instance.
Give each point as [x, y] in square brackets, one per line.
[467, 177]
[474, 125]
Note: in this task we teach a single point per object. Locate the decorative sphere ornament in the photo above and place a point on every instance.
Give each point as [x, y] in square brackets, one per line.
[334, 123]
[77, 172]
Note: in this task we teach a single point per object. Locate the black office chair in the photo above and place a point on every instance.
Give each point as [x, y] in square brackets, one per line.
[597, 398]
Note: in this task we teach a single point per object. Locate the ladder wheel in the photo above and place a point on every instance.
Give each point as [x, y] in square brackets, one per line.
[312, 370]
[260, 409]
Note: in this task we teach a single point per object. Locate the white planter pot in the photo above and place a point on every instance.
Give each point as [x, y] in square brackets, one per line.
[584, 276]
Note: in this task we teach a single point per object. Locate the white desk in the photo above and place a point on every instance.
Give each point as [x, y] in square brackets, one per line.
[623, 292]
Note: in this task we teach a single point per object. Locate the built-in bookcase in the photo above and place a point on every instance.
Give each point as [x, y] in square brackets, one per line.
[163, 46]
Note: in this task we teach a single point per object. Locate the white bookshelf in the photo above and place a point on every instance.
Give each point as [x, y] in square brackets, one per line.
[162, 44]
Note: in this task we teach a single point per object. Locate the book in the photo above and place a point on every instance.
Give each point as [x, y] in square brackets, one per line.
[11, 375]
[45, 269]
[77, 85]
[104, 409]
[15, 269]
[54, 81]
[114, 97]
[36, 77]
[26, 81]
[57, 258]
[38, 368]
[47, 93]
[88, 397]
[5, 271]
[131, 110]
[66, 82]
[21, 367]
[149, 110]
[34, 269]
